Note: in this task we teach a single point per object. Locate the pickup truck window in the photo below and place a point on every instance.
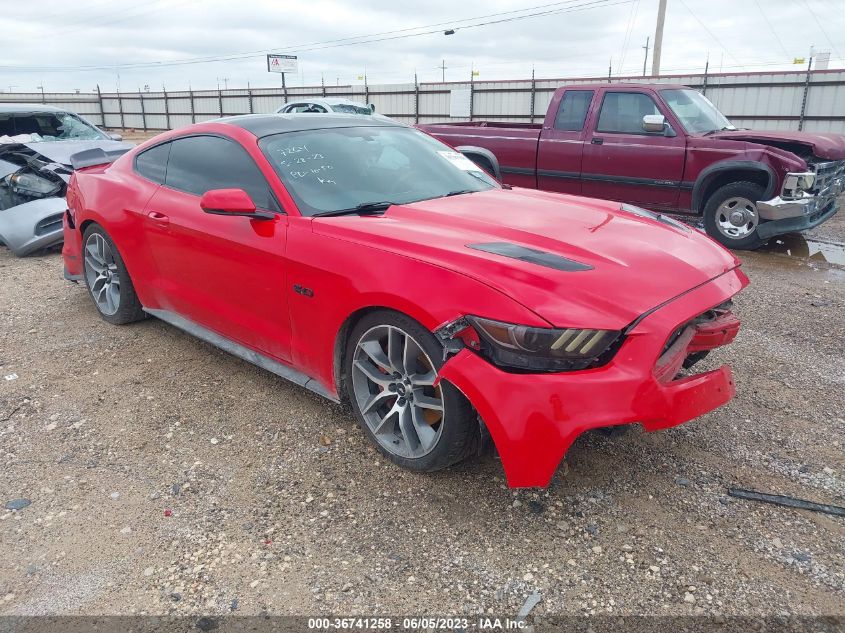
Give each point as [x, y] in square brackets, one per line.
[573, 110]
[623, 112]
[695, 111]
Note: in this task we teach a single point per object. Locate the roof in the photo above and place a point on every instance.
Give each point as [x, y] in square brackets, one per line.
[266, 124]
[621, 84]
[28, 107]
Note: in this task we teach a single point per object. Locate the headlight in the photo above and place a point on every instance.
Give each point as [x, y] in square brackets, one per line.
[542, 349]
[796, 183]
[30, 184]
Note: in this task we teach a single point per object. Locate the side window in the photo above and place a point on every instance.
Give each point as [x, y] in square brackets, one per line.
[623, 112]
[152, 163]
[573, 110]
[200, 163]
[315, 108]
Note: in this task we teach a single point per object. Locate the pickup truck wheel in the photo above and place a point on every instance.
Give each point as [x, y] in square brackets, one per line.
[391, 365]
[731, 217]
[107, 279]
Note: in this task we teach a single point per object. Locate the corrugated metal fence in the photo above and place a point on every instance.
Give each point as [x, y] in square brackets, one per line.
[793, 100]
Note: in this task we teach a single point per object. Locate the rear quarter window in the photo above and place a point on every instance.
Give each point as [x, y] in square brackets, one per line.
[573, 110]
[152, 163]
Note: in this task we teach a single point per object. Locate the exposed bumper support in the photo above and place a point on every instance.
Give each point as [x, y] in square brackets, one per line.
[786, 216]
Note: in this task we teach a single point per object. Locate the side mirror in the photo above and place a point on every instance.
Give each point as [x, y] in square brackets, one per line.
[372, 108]
[654, 123]
[115, 136]
[231, 202]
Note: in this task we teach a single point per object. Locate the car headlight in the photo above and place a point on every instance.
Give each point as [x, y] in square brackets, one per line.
[796, 183]
[30, 184]
[542, 349]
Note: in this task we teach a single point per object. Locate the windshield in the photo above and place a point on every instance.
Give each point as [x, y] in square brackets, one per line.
[348, 108]
[48, 126]
[341, 168]
[695, 111]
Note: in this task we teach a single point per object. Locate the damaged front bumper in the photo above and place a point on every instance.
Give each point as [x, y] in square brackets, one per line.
[808, 211]
[534, 418]
[33, 225]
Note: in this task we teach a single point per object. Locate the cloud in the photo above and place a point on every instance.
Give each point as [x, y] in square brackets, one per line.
[54, 35]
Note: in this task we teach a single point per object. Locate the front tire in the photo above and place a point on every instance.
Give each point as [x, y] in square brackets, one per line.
[390, 366]
[731, 216]
[107, 279]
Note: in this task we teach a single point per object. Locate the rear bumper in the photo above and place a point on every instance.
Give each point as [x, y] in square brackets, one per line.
[71, 251]
[534, 418]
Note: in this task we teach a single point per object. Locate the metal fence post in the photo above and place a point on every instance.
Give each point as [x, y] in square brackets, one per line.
[102, 109]
[416, 100]
[166, 108]
[220, 101]
[249, 94]
[471, 93]
[120, 109]
[804, 97]
[191, 97]
[704, 81]
[143, 111]
[323, 84]
[533, 95]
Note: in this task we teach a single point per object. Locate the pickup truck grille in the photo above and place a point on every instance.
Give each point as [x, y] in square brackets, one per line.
[826, 175]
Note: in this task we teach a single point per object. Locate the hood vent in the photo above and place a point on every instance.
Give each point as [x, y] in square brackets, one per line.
[541, 258]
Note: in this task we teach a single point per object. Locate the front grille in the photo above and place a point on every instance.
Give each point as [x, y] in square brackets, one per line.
[49, 224]
[827, 173]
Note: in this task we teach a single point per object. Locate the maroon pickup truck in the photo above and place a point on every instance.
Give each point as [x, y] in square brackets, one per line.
[665, 147]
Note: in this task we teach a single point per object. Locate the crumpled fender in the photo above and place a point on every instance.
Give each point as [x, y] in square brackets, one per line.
[18, 225]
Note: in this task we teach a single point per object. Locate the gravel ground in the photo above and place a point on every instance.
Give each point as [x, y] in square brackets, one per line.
[167, 477]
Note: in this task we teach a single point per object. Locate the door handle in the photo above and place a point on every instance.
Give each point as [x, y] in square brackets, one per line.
[158, 218]
[597, 140]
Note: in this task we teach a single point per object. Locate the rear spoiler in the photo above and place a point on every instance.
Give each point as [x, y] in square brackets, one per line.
[96, 156]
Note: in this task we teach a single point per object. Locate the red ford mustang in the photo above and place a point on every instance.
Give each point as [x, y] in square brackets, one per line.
[370, 263]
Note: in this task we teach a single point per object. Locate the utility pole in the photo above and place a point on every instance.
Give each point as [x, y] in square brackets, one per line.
[645, 59]
[658, 38]
[443, 71]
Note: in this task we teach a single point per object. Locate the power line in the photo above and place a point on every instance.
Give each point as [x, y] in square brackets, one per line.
[771, 28]
[570, 7]
[709, 32]
[826, 36]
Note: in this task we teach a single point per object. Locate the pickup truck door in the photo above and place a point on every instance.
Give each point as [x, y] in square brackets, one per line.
[561, 144]
[624, 162]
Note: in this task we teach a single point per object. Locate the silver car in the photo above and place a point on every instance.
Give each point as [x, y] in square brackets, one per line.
[327, 104]
[36, 145]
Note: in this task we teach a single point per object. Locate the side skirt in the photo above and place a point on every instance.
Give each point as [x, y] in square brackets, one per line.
[236, 349]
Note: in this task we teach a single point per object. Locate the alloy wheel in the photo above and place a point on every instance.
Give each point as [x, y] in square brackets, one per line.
[393, 384]
[101, 274]
[737, 218]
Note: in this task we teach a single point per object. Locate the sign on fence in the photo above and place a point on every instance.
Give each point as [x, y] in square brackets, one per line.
[282, 63]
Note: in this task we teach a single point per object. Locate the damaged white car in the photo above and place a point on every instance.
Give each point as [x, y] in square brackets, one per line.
[36, 143]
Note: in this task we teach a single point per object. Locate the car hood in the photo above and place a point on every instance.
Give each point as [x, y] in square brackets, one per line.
[635, 263]
[61, 151]
[829, 146]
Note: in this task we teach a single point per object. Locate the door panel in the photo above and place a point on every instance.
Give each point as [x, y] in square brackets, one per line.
[622, 162]
[226, 273]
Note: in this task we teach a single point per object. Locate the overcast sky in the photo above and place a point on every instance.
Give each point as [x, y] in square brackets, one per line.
[47, 42]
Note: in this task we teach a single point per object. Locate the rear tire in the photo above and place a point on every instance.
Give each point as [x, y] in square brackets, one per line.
[107, 280]
[731, 217]
[389, 365]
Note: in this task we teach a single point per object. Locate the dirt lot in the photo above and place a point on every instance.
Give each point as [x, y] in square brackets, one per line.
[167, 477]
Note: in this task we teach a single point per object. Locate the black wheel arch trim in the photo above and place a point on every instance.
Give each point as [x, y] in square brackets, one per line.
[712, 171]
[472, 150]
